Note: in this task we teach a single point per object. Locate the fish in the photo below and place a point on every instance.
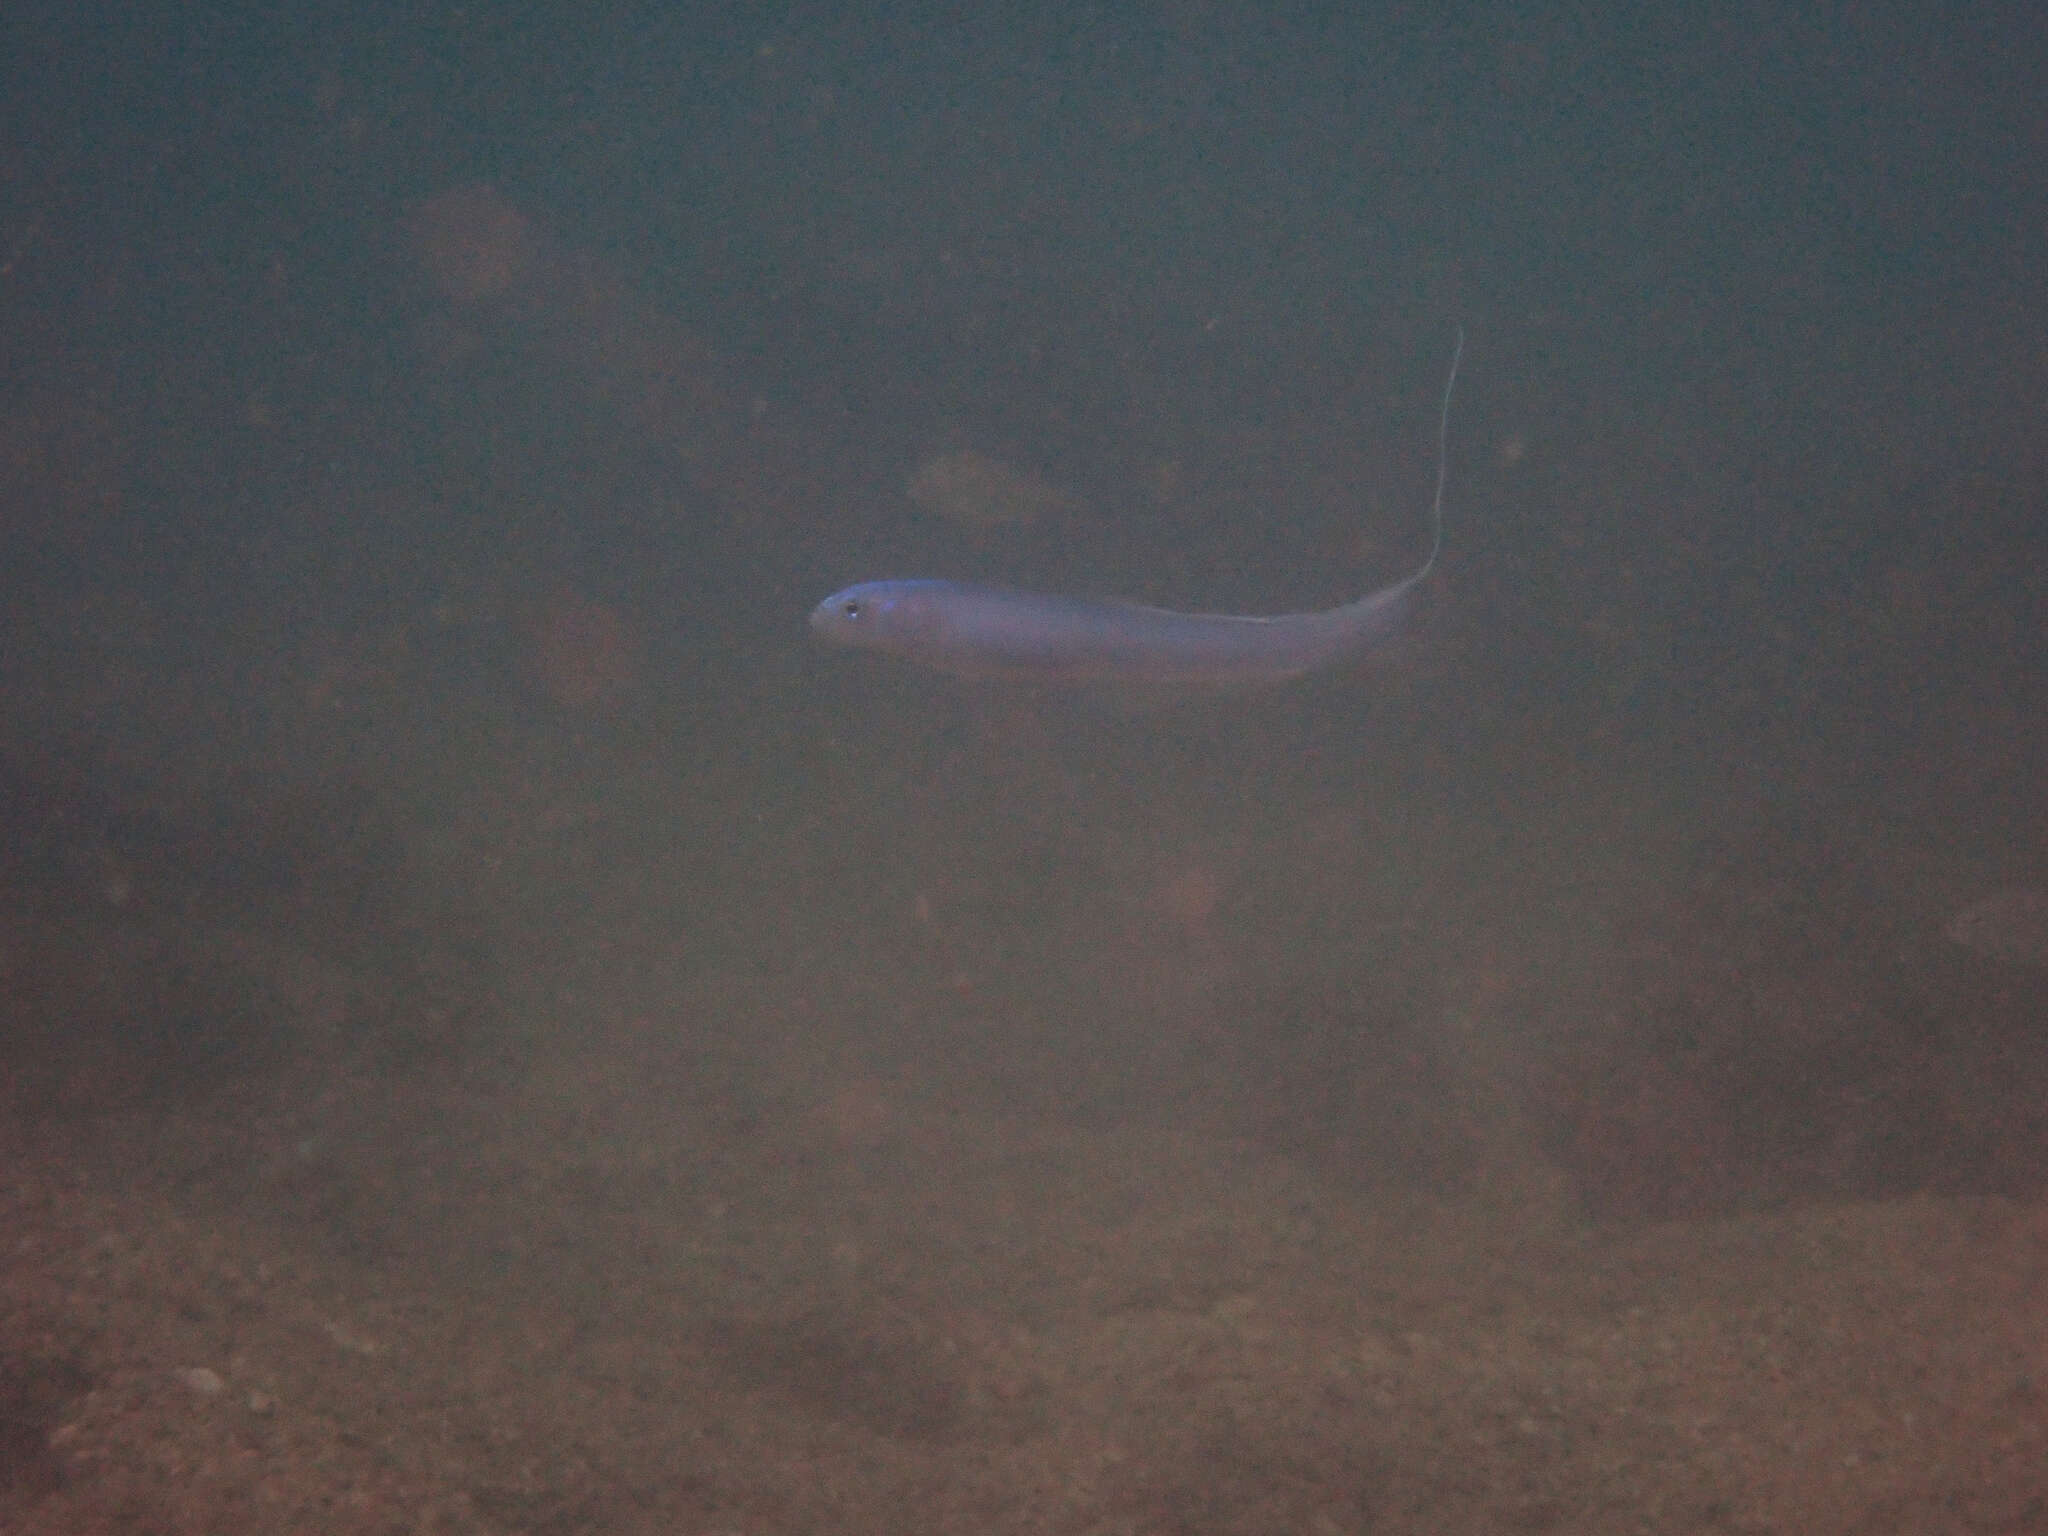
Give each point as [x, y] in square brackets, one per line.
[1004, 634]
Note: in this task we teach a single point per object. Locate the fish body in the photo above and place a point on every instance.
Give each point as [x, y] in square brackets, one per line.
[997, 633]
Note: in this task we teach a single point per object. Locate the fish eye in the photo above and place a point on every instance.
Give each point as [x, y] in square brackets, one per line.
[850, 608]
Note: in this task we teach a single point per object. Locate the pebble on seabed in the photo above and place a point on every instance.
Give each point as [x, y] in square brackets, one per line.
[206, 1383]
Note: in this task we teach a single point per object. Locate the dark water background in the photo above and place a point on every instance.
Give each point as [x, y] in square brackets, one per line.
[424, 430]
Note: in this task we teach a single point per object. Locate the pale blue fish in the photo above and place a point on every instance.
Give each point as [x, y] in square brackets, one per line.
[994, 632]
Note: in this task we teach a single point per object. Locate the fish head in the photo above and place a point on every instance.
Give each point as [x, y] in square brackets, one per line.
[894, 617]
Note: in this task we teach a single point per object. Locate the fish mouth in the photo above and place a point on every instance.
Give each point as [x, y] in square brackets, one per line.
[828, 626]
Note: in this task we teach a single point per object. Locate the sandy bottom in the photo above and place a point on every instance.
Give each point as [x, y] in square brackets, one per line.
[315, 1254]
